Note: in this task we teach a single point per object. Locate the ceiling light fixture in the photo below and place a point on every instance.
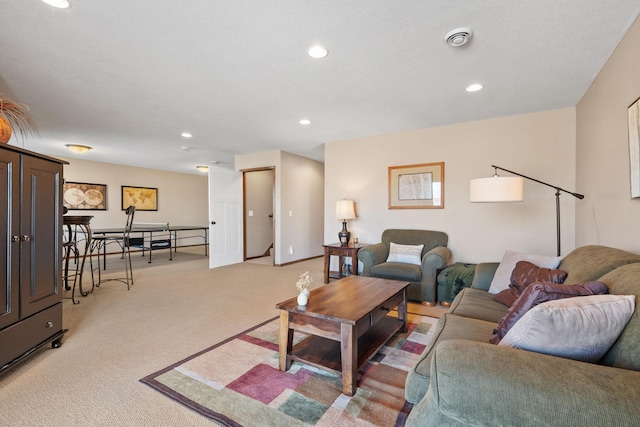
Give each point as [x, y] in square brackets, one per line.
[186, 135]
[60, 4]
[78, 149]
[203, 168]
[318, 52]
[474, 87]
[458, 37]
[305, 122]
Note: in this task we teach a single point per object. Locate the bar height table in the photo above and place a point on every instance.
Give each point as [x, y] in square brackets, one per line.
[76, 224]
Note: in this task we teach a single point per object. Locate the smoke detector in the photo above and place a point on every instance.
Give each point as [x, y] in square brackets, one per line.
[458, 37]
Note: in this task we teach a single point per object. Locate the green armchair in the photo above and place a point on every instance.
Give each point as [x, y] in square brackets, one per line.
[435, 256]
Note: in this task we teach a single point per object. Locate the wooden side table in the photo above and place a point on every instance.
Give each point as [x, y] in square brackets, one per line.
[341, 251]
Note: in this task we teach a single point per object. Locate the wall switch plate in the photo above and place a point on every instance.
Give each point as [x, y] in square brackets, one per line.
[250, 213]
[290, 250]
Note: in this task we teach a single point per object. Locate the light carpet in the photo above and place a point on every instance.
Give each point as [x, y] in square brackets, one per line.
[237, 382]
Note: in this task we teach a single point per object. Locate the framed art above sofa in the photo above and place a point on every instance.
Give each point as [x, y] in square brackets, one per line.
[633, 114]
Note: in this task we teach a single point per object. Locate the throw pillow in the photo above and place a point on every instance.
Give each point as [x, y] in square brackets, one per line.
[502, 278]
[524, 274]
[408, 254]
[580, 328]
[538, 293]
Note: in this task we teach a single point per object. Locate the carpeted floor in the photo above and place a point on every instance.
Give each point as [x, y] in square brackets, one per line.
[174, 310]
[237, 382]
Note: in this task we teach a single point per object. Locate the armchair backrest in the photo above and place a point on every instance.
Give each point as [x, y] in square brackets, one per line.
[430, 239]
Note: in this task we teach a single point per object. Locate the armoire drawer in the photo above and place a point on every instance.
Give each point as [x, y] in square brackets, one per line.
[27, 333]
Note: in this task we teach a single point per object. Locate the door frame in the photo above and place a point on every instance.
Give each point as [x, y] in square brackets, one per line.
[244, 209]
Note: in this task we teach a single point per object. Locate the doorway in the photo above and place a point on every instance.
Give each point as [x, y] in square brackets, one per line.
[259, 194]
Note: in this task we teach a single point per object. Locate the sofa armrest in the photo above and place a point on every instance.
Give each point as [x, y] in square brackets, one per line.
[476, 383]
[371, 255]
[484, 275]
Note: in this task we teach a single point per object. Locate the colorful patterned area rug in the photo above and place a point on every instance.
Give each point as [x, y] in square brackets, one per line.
[237, 382]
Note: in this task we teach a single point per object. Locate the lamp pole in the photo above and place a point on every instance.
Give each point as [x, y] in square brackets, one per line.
[558, 190]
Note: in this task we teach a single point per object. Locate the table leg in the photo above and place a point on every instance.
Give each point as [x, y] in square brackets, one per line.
[349, 355]
[402, 311]
[285, 341]
[327, 262]
[354, 262]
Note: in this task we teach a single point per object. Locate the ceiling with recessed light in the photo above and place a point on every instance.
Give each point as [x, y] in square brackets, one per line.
[127, 78]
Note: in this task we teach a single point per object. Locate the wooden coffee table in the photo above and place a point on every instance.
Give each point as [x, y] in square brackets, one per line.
[347, 324]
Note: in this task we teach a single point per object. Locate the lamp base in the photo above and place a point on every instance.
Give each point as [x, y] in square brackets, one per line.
[344, 236]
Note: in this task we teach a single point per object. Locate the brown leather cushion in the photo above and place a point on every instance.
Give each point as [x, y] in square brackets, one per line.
[538, 293]
[524, 274]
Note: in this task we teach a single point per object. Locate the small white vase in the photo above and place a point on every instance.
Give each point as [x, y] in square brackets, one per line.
[302, 298]
[307, 293]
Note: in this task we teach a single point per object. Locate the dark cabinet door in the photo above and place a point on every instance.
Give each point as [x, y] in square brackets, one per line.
[9, 242]
[40, 232]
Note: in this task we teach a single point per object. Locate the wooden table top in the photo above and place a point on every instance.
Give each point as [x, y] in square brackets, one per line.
[346, 300]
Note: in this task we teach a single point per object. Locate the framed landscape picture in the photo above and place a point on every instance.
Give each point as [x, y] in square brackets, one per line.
[84, 196]
[416, 186]
[143, 198]
[633, 114]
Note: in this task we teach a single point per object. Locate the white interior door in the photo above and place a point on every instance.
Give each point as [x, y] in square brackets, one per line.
[225, 217]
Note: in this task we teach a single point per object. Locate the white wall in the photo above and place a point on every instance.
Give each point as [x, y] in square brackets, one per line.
[182, 198]
[299, 188]
[540, 145]
[608, 215]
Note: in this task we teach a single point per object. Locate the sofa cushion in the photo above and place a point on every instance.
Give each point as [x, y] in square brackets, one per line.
[477, 304]
[580, 328]
[502, 278]
[538, 293]
[448, 327]
[624, 353]
[408, 254]
[524, 274]
[397, 271]
[591, 262]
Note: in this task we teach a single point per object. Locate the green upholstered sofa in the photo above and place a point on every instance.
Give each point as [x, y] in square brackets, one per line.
[435, 256]
[461, 379]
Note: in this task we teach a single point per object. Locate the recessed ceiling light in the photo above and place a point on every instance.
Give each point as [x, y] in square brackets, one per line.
[186, 135]
[474, 87]
[305, 122]
[60, 4]
[78, 149]
[317, 52]
[203, 168]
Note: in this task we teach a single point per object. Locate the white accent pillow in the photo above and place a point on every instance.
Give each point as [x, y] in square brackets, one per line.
[579, 328]
[502, 278]
[408, 254]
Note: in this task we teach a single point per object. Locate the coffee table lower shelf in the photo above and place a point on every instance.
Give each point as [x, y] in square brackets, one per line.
[324, 353]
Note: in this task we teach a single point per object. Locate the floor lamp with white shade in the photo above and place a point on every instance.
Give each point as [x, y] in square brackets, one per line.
[511, 189]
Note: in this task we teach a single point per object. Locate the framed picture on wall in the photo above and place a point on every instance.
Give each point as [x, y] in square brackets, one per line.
[416, 186]
[84, 196]
[633, 113]
[143, 198]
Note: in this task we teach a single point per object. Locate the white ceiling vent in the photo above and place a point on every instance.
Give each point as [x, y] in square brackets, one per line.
[458, 37]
